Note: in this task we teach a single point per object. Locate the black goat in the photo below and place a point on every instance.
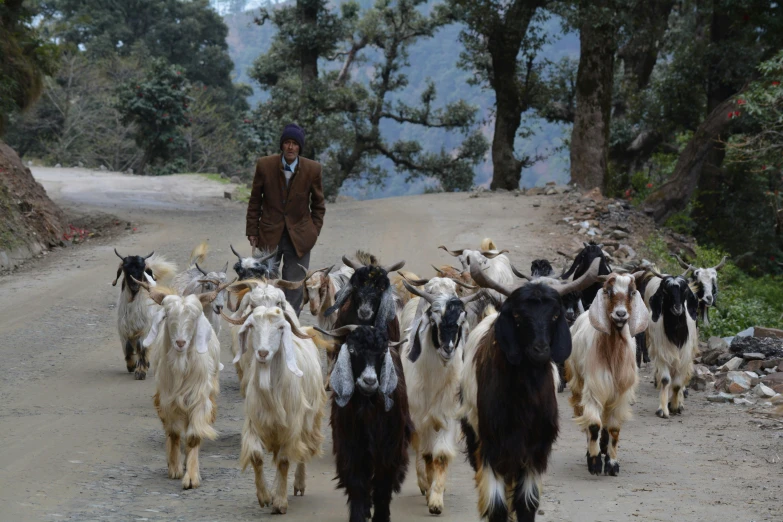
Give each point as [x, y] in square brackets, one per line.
[372, 429]
[541, 268]
[368, 298]
[508, 393]
[581, 263]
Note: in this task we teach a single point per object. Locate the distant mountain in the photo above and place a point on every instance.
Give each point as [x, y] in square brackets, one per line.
[435, 58]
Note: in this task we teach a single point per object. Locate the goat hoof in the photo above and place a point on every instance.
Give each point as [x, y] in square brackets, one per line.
[594, 465]
[661, 414]
[176, 473]
[436, 510]
[299, 491]
[561, 387]
[140, 375]
[190, 482]
[611, 468]
[685, 392]
[264, 500]
[675, 411]
[279, 510]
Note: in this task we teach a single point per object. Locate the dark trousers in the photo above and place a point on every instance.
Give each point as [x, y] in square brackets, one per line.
[291, 269]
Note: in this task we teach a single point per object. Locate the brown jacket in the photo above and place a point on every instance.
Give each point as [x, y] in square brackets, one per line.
[298, 207]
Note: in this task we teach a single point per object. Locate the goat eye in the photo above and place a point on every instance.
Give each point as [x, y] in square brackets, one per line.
[555, 317]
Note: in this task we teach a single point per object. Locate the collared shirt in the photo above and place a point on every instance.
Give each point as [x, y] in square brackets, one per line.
[292, 166]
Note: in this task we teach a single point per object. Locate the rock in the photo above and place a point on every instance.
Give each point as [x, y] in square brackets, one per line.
[344, 199]
[29, 163]
[716, 343]
[760, 331]
[743, 402]
[738, 382]
[567, 219]
[768, 346]
[595, 194]
[720, 397]
[535, 191]
[702, 371]
[763, 391]
[550, 191]
[80, 164]
[733, 364]
[537, 203]
[777, 388]
[235, 179]
[753, 356]
[754, 366]
[562, 189]
[618, 234]
[550, 183]
[773, 378]
[737, 388]
[58, 166]
[630, 252]
[752, 375]
[129, 171]
[227, 194]
[103, 168]
[584, 224]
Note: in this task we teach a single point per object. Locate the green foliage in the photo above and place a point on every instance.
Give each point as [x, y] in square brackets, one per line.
[158, 106]
[25, 58]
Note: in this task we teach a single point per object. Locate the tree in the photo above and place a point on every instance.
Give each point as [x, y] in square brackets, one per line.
[495, 35]
[344, 114]
[590, 135]
[24, 60]
[158, 106]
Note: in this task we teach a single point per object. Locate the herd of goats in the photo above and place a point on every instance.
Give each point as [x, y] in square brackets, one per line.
[474, 353]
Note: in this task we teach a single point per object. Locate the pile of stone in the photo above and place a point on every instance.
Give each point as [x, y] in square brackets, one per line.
[745, 371]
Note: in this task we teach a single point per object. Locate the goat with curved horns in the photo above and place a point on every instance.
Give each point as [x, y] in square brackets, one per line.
[703, 283]
[432, 363]
[510, 354]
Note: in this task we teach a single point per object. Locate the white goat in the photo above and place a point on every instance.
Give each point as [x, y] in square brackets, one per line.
[703, 283]
[187, 361]
[492, 262]
[601, 370]
[672, 338]
[284, 400]
[436, 327]
[195, 280]
[254, 293]
[320, 288]
[133, 312]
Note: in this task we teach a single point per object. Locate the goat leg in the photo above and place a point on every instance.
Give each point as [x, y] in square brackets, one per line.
[280, 499]
[663, 410]
[527, 496]
[421, 467]
[492, 494]
[192, 478]
[594, 465]
[358, 498]
[438, 485]
[143, 363]
[678, 397]
[299, 479]
[381, 495]
[611, 466]
[173, 455]
[130, 356]
[262, 493]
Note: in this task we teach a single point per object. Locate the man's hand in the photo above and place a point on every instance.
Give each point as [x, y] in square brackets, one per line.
[253, 241]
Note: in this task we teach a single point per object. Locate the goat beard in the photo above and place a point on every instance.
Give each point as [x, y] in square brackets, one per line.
[264, 375]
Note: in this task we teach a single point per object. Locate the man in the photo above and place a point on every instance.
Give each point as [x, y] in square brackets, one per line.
[286, 208]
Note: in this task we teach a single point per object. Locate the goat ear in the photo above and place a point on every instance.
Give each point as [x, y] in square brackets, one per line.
[415, 350]
[388, 380]
[580, 306]
[203, 335]
[561, 341]
[154, 327]
[656, 304]
[242, 338]
[386, 310]
[119, 273]
[637, 323]
[339, 300]
[342, 380]
[289, 351]
[148, 271]
[598, 313]
[692, 304]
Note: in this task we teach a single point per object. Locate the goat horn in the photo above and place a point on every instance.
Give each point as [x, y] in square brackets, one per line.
[656, 273]
[396, 266]
[207, 298]
[311, 274]
[415, 282]
[455, 253]
[587, 279]
[438, 270]
[682, 263]
[638, 275]
[520, 274]
[396, 344]
[235, 322]
[463, 285]
[294, 328]
[720, 265]
[339, 332]
[468, 298]
[155, 295]
[235, 252]
[492, 254]
[149, 255]
[199, 269]
[268, 256]
[485, 281]
[286, 285]
[421, 293]
[118, 254]
[352, 263]
[212, 281]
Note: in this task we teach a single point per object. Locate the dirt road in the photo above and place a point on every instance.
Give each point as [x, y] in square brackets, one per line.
[81, 440]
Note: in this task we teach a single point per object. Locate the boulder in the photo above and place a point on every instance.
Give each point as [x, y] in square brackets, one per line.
[720, 397]
[733, 364]
[768, 346]
[764, 391]
[753, 356]
[235, 179]
[760, 331]
[716, 343]
[773, 379]
[743, 402]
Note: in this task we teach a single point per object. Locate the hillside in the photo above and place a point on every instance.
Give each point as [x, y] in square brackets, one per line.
[435, 58]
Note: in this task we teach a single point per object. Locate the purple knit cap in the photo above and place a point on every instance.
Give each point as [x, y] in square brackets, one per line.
[294, 132]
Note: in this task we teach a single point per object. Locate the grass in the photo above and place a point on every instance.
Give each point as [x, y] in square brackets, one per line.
[241, 194]
[743, 301]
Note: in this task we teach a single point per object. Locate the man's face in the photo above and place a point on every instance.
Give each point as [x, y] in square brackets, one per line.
[290, 150]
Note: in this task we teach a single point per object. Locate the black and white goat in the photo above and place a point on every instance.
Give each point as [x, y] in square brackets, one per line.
[371, 429]
[582, 262]
[602, 368]
[703, 283]
[195, 280]
[261, 265]
[135, 312]
[672, 338]
[436, 326]
[509, 407]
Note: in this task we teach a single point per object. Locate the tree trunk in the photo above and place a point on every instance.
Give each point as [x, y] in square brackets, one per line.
[675, 194]
[590, 136]
[506, 168]
[308, 10]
